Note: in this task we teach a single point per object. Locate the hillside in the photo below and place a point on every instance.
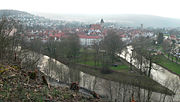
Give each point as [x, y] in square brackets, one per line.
[146, 20]
[132, 20]
[12, 12]
[17, 85]
[29, 19]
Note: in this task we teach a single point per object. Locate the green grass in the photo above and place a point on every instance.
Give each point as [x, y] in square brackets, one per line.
[120, 67]
[90, 63]
[158, 47]
[88, 59]
[86, 50]
[174, 58]
[163, 61]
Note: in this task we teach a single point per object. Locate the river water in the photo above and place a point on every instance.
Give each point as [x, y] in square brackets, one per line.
[158, 73]
[114, 91]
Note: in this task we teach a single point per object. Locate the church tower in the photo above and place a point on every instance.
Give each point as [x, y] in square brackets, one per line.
[102, 23]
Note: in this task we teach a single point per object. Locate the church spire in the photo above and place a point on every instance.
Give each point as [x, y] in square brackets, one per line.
[102, 21]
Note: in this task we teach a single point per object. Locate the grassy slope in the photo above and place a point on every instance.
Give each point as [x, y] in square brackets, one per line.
[119, 67]
[163, 61]
[174, 58]
[125, 78]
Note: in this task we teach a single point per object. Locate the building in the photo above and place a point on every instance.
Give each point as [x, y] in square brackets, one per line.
[86, 40]
[142, 27]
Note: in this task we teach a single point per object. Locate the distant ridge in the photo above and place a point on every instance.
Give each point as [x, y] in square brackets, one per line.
[146, 20]
[7, 12]
[131, 20]
[29, 19]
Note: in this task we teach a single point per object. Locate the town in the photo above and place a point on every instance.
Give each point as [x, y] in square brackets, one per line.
[43, 59]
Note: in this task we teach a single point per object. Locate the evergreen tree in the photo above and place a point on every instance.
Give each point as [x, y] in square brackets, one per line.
[160, 38]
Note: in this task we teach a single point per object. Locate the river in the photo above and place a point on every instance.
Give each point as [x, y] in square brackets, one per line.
[159, 74]
[114, 91]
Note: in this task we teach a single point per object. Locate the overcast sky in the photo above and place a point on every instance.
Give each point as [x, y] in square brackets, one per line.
[165, 8]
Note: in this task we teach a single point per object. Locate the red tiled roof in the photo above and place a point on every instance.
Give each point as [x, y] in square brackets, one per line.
[51, 35]
[81, 33]
[123, 36]
[58, 35]
[95, 26]
[173, 36]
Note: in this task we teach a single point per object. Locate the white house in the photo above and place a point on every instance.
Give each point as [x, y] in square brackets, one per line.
[86, 40]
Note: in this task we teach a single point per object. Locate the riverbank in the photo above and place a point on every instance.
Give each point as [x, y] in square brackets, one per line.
[169, 65]
[158, 73]
[125, 78]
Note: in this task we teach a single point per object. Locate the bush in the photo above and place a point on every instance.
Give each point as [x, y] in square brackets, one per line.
[106, 70]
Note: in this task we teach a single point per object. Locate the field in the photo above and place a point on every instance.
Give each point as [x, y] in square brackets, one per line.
[88, 59]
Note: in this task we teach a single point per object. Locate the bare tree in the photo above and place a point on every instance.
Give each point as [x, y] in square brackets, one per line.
[8, 38]
[143, 49]
[172, 49]
[112, 44]
[96, 47]
[72, 44]
[166, 45]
